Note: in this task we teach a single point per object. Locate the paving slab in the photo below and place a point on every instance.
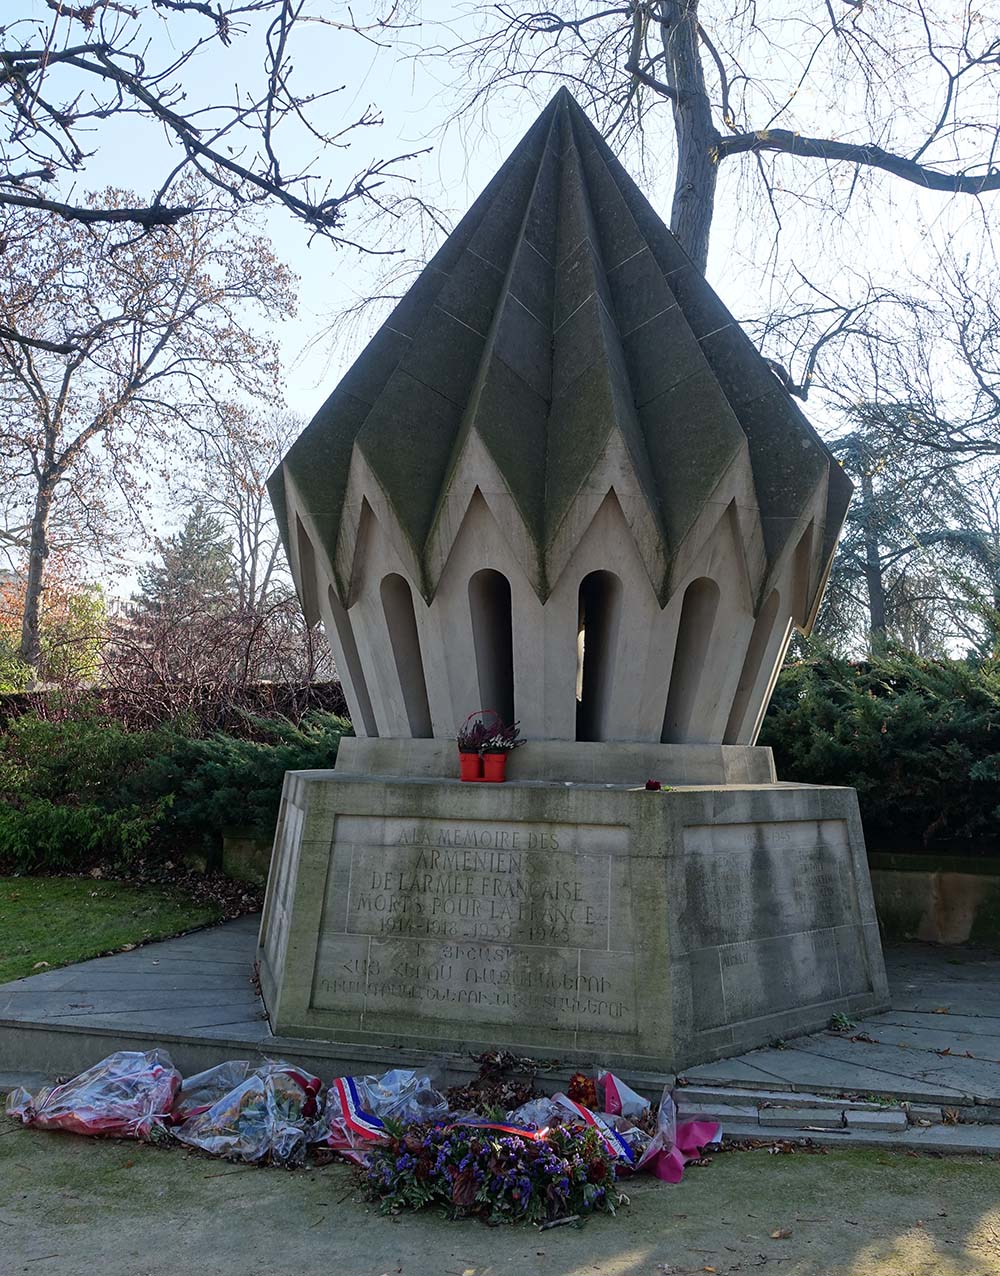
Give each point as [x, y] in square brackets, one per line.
[889, 1119]
[954, 1140]
[953, 1072]
[972, 1025]
[194, 996]
[936, 1039]
[815, 1118]
[798, 1068]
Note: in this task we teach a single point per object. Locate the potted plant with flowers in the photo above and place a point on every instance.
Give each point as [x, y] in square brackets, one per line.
[471, 737]
[502, 739]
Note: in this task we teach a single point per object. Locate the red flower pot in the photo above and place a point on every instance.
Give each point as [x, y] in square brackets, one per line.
[495, 767]
[470, 766]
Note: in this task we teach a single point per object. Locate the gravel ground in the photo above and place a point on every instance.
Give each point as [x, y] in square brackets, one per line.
[72, 1206]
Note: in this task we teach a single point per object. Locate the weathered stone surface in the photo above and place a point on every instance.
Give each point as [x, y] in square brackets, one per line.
[577, 761]
[599, 923]
[887, 1119]
[560, 396]
[816, 1118]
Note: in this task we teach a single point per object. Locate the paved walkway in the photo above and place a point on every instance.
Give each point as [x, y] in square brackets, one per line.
[937, 1050]
[939, 1043]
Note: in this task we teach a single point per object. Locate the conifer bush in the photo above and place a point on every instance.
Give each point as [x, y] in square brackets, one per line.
[919, 739]
[84, 789]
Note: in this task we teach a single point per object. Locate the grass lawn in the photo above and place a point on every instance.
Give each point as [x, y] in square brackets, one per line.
[58, 920]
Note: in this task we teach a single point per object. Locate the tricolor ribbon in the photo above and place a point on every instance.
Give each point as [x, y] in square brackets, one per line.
[612, 1140]
[366, 1124]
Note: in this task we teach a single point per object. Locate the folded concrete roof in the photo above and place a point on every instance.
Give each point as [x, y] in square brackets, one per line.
[560, 316]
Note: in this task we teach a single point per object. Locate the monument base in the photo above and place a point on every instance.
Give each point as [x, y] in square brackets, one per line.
[593, 923]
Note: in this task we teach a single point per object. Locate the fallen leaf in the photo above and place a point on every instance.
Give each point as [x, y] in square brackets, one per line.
[781, 1234]
[941, 1010]
[946, 1050]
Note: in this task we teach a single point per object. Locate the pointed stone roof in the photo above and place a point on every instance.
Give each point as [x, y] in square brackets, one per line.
[561, 319]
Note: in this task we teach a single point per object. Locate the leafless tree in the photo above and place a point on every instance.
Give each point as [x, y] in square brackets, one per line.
[134, 350]
[71, 71]
[797, 90]
[231, 482]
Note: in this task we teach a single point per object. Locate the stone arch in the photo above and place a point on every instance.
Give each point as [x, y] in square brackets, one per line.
[401, 622]
[691, 652]
[600, 605]
[493, 639]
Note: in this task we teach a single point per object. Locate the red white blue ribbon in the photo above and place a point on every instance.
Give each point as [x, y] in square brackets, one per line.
[366, 1124]
[617, 1147]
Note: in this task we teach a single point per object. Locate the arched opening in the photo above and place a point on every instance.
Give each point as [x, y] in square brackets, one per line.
[401, 621]
[760, 639]
[353, 673]
[694, 636]
[597, 639]
[493, 636]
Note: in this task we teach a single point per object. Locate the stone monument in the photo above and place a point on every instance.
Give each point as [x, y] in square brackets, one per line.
[561, 483]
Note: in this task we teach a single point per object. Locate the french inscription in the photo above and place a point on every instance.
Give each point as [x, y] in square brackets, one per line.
[488, 884]
[475, 922]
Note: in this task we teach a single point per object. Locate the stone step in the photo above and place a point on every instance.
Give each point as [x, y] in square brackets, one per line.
[740, 1096]
[972, 1140]
[815, 1112]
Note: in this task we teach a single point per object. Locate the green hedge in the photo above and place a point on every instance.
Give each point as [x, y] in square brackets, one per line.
[918, 739]
[85, 789]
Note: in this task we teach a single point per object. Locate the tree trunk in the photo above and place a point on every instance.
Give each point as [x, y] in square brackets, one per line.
[697, 137]
[38, 553]
[873, 566]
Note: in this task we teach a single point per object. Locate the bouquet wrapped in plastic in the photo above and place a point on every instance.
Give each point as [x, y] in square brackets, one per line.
[266, 1117]
[198, 1093]
[127, 1095]
[626, 1128]
[357, 1109]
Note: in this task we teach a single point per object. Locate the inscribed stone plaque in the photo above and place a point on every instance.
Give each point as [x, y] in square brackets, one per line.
[481, 923]
[772, 916]
[750, 881]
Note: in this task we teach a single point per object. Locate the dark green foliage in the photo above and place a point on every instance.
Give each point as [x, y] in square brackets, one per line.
[919, 740]
[223, 781]
[194, 572]
[85, 790]
[71, 792]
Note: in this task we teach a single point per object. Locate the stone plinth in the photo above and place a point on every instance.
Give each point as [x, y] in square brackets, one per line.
[622, 762]
[597, 923]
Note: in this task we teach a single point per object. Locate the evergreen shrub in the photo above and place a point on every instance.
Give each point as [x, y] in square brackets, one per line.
[84, 789]
[919, 739]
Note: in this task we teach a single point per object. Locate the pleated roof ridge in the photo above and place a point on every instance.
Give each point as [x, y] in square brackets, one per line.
[560, 318]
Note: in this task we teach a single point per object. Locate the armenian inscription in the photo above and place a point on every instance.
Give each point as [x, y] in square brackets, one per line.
[493, 923]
